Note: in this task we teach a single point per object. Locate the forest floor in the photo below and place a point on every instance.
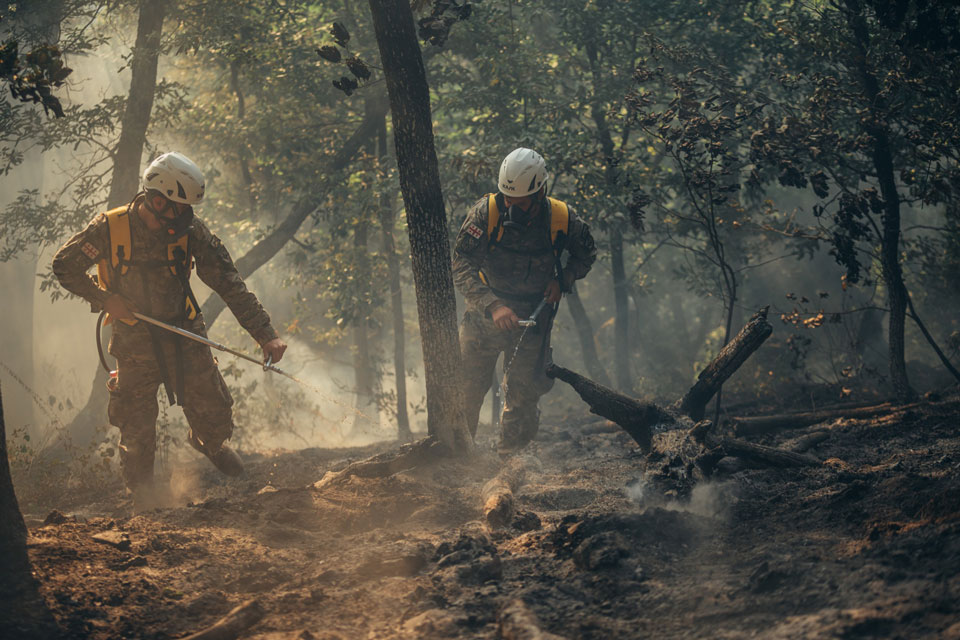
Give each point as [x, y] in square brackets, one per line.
[865, 546]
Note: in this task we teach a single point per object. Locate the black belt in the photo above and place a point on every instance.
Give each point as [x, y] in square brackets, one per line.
[519, 297]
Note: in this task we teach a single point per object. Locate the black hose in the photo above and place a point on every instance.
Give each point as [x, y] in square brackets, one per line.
[103, 359]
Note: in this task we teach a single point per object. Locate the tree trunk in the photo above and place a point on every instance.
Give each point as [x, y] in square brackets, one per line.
[621, 356]
[882, 157]
[588, 345]
[24, 613]
[13, 532]
[387, 221]
[364, 375]
[125, 180]
[426, 220]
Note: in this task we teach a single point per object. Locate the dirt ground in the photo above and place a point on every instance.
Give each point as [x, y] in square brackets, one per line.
[867, 545]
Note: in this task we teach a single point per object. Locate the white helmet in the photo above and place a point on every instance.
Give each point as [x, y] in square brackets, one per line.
[175, 176]
[523, 172]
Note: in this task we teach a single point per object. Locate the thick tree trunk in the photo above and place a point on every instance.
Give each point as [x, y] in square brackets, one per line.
[426, 219]
[125, 180]
[13, 532]
[588, 345]
[734, 354]
[387, 220]
[23, 614]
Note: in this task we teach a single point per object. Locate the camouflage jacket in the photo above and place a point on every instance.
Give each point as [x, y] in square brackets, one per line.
[156, 291]
[519, 267]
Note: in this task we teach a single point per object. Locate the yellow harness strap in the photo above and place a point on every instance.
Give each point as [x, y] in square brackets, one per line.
[121, 250]
[559, 220]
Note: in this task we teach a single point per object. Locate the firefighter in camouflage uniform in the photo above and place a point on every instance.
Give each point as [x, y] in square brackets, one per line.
[507, 260]
[144, 252]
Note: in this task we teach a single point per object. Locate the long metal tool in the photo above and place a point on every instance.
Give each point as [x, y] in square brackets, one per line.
[532, 320]
[267, 366]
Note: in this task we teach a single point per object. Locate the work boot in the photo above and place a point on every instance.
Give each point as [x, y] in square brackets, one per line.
[225, 459]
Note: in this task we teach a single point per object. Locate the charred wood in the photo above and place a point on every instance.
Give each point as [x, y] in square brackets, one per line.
[635, 417]
[730, 358]
[767, 424]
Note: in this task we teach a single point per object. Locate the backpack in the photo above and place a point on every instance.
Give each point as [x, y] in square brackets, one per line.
[179, 259]
[559, 230]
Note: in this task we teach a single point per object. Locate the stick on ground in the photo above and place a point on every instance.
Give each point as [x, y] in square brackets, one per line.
[230, 626]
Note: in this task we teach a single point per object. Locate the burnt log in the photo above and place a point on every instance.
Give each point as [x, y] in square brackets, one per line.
[233, 624]
[768, 456]
[499, 507]
[730, 358]
[767, 424]
[635, 417]
[382, 465]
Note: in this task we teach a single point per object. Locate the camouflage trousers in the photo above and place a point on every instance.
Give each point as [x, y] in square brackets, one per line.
[133, 404]
[481, 343]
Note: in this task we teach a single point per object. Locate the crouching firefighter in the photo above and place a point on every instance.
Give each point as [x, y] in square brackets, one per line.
[144, 252]
[507, 263]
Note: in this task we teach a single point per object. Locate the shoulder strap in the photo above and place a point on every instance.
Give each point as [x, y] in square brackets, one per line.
[121, 248]
[494, 226]
[559, 224]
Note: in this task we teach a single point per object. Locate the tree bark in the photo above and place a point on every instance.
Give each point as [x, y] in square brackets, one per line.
[426, 220]
[387, 221]
[730, 358]
[363, 368]
[588, 344]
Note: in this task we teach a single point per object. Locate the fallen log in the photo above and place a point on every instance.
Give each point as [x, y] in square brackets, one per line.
[497, 494]
[635, 417]
[518, 622]
[756, 425]
[770, 456]
[386, 464]
[809, 441]
[230, 626]
[730, 358]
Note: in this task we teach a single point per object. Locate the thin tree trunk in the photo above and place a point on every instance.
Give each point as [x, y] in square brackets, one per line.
[364, 377]
[387, 221]
[621, 356]
[426, 220]
[882, 157]
[125, 180]
[588, 345]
